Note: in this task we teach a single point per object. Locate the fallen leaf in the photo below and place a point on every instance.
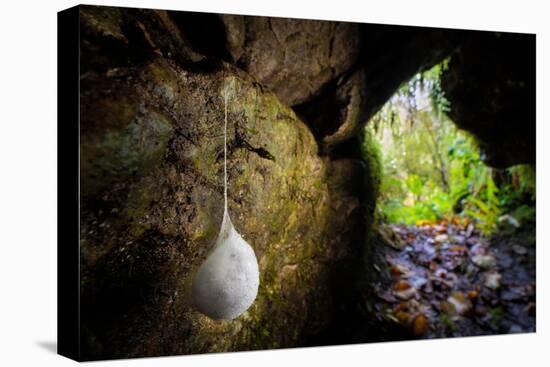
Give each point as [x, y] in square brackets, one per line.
[520, 250]
[513, 293]
[403, 290]
[417, 281]
[402, 316]
[387, 296]
[458, 249]
[422, 222]
[401, 285]
[508, 219]
[419, 325]
[398, 269]
[484, 261]
[469, 230]
[492, 280]
[461, 305]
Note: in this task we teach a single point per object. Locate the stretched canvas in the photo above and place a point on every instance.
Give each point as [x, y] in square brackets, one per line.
[235, 183]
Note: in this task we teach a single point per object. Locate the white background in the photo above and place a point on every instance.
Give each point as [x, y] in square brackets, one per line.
[28, 183]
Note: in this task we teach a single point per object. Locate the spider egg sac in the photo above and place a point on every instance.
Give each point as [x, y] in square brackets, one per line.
[226, 284]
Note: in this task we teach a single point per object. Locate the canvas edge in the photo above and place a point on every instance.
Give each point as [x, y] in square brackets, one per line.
[68, 184]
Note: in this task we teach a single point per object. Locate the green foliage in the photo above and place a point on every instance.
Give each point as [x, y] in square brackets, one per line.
[447, 322]
[434, 171]
[372, 155]
[495, 317]
[519, 193]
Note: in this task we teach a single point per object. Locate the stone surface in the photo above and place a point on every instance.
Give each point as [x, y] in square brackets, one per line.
[388, 57]
[152, 202]
[491, 86]
[294, 58]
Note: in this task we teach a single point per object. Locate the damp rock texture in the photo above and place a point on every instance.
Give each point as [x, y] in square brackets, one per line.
[152, 197]
[490, 83]
[343, 108]
[294, 58]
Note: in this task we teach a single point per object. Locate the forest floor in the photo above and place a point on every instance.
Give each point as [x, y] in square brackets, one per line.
[446, 279]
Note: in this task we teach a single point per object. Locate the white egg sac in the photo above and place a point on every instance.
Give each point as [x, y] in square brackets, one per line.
[227, 282]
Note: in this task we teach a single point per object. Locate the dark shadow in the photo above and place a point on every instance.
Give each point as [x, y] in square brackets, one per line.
[50, 346]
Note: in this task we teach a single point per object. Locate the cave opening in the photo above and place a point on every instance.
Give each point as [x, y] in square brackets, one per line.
[458, 235]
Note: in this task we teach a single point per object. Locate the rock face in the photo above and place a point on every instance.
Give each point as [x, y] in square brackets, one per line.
[152, 199]
[491, 86]
[344, 107]
[294, 58]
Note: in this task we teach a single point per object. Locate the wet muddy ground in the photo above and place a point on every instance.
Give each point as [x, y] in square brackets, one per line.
[446, 279]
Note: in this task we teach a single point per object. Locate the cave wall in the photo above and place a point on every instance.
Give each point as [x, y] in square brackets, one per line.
[490, 83]
[295, 58]
[152, 196]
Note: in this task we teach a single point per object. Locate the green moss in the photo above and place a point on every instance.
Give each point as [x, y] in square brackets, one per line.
[372, 155]
[448, 323]
[138, 204]
[282, 208]
[205, 161]
[106, 20]
[496, 315]
[130, 151]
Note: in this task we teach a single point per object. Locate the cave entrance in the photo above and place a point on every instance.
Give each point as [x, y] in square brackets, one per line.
[460, 235]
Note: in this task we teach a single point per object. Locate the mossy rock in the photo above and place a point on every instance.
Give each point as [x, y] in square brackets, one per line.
[152, 197]
[151, 158]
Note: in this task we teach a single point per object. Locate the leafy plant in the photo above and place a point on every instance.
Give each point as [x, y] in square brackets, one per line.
[432, 170]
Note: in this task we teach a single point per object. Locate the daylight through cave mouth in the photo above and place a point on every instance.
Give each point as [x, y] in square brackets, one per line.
[460, 235]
